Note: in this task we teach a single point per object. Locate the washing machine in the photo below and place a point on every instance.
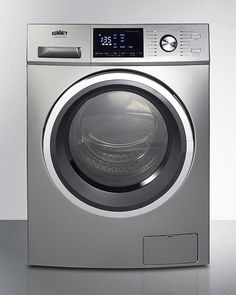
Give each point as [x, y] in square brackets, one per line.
[118, 145]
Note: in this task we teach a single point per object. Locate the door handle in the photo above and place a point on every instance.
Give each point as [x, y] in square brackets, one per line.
[59, 52]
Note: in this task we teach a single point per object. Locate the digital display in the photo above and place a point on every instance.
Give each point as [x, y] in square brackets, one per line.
[127, 42]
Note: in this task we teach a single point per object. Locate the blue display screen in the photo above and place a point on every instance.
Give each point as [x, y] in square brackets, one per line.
[125, 42]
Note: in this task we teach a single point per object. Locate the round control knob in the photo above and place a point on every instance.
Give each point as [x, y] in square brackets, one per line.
[168, 43]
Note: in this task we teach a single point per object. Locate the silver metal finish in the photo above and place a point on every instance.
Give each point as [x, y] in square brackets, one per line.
[168, 43]
[66, 232]
[59, 52]
[107, 79]
[163, 249]
[44, 36]
[217, 279]
[188, 36]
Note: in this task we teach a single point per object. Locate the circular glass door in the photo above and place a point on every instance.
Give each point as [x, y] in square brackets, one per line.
[118, 142]
[118, 139]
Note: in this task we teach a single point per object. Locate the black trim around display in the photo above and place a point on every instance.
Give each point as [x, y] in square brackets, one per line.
[131, 46]
[117, 198]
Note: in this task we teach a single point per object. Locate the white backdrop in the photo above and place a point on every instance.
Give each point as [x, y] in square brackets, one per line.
[14, 16]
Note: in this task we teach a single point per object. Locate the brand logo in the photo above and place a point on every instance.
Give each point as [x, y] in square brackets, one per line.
[59, 33]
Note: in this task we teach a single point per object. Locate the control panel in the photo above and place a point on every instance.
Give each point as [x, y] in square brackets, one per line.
[180, 41]
[118, 44]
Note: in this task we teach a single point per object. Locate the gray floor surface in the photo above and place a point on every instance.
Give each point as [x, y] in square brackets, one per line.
[16, 278]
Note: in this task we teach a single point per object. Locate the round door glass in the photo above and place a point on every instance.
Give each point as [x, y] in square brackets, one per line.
[118, 139]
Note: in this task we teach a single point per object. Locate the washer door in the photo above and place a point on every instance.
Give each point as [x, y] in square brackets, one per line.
[118, 142]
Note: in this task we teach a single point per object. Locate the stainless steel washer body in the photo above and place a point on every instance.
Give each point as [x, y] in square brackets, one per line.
[118, 145]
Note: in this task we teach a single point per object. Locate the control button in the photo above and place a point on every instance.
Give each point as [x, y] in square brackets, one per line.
[196, 36]
[196, 50]
[168, 43]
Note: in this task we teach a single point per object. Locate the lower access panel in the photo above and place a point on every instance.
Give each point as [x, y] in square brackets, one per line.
[170, 249]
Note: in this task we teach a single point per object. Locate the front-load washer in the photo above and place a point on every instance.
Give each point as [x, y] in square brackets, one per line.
[118, 145]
